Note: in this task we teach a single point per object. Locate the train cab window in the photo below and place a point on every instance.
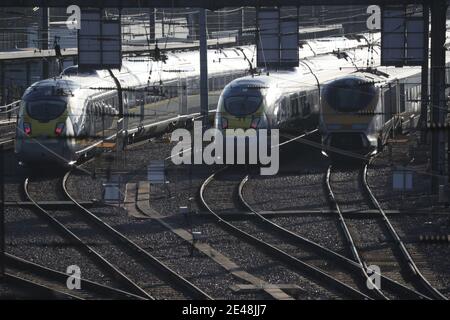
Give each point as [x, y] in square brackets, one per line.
[283, 109]
[349, 94]
[45, 110]
[294, 106]
[305, 105]
[242, 105]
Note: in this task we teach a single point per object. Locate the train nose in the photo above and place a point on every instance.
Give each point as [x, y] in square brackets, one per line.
[49, 150]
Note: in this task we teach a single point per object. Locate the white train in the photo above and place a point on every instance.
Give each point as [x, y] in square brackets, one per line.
[288, 100]
[62, 118]
[65, 117]
[354, 106]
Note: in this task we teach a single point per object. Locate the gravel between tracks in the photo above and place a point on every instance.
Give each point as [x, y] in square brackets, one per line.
[30, 238]
[160, 242]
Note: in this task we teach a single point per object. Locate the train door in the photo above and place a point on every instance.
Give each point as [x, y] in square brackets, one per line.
[88, 120]
[182, 95]
[141, 107]
[404, 97]
[293, 110]
[284, 110]
[305, 106]
[391, 102]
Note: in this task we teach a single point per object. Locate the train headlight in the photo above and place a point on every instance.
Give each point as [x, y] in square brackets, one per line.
[59, 129]
[27, 128]
[224, 123]
[259, 123]
[255, 123]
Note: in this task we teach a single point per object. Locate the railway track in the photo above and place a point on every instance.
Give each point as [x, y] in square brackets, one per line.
[185, 287]
[260, 242]
[349, 191]
[132, 267]
[332, 262]
[52, 283]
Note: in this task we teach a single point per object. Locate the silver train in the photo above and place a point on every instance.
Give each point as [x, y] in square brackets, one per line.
[288, 100]
[354, 106]
[63, 118]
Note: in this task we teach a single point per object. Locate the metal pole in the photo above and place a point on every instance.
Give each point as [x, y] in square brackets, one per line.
[438, 101]
[152, 25]
[241, 27]
[203, 68]
[120, 123]
[162, 25]
[44, 40]
[424, 89]
[2, 214]
[2, 84]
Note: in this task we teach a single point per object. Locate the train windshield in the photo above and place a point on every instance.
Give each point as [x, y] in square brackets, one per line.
[350, 95]
[242, 105]
[45, 110]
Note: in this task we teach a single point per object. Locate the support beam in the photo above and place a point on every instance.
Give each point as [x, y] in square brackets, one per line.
[43, 40]
[194, 3]
[2, 214]
[203, 68]
[425, 70]
[163, 28]
[2, 84]
[241, 26]
[152, 13]
[438, 99]
[193, 22]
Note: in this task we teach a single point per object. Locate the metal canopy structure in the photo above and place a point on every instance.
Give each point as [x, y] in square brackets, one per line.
[403, 37]
[208, 4]
[277, 39]
[99, 42]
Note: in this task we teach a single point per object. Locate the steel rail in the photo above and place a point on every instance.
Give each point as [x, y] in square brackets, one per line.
[33, 285]
[167, 272]
[273, 251]
[87, 286]
[319, 249]
[348, 237]
[414, 270]
[91, 252]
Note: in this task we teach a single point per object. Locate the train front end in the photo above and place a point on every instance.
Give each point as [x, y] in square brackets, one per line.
[44, 128]
[241, 115]
[348, 116]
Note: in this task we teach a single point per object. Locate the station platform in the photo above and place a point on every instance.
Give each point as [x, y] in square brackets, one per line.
[31, 53]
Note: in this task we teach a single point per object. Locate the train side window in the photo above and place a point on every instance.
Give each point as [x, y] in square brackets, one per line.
[211, 84]
[302, 104]
[89, 108]
[293, 105]
[284, 107]
[224, 80]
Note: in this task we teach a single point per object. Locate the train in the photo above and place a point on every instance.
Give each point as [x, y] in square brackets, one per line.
[359, 112]
[64, 118]
[355, 106]
[287, 99]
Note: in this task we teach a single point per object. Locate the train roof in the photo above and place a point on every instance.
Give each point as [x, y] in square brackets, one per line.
[311, 71]
[140, 70]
